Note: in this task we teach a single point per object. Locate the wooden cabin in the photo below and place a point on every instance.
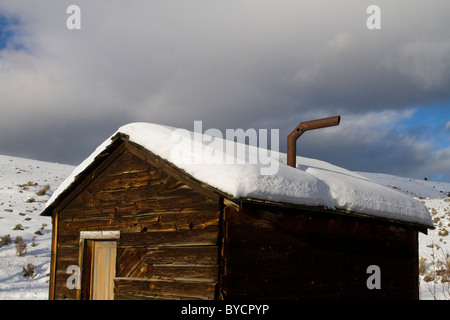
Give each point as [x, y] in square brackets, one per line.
[139, 227]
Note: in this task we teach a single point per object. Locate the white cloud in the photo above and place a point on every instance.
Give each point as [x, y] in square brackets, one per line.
[447, 126]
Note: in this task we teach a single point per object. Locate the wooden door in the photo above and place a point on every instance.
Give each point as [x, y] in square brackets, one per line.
[103, 270]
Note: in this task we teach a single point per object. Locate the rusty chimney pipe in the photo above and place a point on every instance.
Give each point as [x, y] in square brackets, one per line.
[300, 129]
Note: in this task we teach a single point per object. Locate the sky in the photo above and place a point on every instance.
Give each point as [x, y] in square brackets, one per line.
[231, 64]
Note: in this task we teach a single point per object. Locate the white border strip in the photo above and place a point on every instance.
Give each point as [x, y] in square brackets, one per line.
[100, 235]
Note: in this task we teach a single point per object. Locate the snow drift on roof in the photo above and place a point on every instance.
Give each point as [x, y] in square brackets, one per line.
[312, 183]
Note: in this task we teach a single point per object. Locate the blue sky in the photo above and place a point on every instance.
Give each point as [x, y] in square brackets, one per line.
[429, 122]
[242, 64]
[5, 33]
[8, 27]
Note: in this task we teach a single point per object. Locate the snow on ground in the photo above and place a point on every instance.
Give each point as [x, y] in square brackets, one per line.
[21, 179]
[20, 206]
[413, 187]
[435, 248]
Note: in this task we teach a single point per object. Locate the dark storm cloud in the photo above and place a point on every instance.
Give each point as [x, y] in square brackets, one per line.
[248, 64]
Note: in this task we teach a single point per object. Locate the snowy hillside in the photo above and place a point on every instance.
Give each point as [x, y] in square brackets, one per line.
[413, 187]
[434, 252]
[23, 194]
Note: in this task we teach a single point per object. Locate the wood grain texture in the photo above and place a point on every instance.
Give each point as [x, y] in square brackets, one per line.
[168, 231]
[276, 253]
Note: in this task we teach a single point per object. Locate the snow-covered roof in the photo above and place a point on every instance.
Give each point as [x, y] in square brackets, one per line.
[311, 183]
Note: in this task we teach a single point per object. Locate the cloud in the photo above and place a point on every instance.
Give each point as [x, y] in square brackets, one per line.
[340, 42]
[249, 64]
[426, 63]
[377, 142]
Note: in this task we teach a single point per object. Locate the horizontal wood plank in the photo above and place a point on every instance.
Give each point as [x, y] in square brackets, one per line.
[272, 253]
[193, 272]
[166, 231]
[139, 289]
[170, 238]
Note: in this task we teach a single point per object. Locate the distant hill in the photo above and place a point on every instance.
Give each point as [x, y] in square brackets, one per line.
[416, 188]
[25, 186]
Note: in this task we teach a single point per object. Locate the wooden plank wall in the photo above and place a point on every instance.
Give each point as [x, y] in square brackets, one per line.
[277, 253]
[168, 248]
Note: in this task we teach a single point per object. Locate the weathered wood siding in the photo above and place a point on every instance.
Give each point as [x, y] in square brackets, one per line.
[168, 246]
[180, 240]
[280, 253]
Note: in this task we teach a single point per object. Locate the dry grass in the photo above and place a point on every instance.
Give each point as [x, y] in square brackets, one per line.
[437, 275]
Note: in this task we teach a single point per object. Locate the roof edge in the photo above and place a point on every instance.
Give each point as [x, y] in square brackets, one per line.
[109, 150]
[420, 227]
[121, 139]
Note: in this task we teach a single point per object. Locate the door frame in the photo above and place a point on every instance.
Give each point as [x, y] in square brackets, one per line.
[85, 258]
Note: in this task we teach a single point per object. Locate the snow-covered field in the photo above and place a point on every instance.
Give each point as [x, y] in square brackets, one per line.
[20, 206]
[412, 187]
[435, 248]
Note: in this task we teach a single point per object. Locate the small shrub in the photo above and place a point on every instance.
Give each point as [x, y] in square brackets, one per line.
[5, 240]
[43, 190]
[438, 272]
[28, 184]
[429, 277]
[443, 233]
[422, 265]
[33, 244]
[18, 227]
[21, 246]
[29, 271]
